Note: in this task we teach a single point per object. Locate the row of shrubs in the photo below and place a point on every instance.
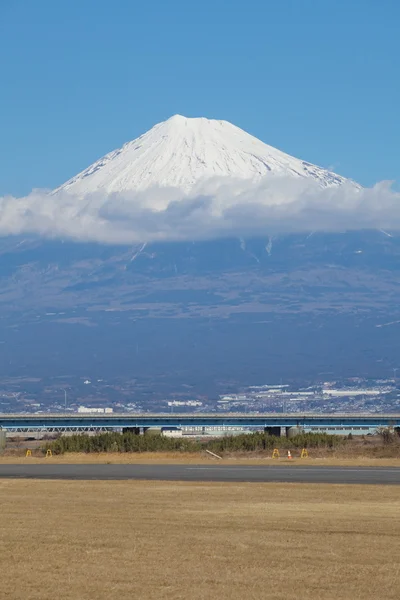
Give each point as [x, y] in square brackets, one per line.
[262, 441]
[129, 442]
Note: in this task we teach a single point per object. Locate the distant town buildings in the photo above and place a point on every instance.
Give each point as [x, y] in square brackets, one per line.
[94, 410]
[185, 403]
[347, 395]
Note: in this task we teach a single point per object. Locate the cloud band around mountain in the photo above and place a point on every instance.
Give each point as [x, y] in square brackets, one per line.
[219, 207]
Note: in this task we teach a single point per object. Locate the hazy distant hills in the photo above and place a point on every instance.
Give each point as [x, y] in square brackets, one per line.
[200, 313]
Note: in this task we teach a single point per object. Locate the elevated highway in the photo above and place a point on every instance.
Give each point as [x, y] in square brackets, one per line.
[104, 422]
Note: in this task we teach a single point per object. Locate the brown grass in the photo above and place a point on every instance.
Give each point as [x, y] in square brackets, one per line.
[154, 540]
[315, 458]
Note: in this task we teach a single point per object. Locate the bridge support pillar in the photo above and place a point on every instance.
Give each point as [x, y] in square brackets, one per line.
[135, 430]
[273, 431]
[2, 440]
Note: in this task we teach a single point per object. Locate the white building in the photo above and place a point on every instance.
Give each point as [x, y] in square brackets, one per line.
[172, 432]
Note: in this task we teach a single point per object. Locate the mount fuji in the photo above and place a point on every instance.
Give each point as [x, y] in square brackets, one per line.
[183, 152]
[208, 312]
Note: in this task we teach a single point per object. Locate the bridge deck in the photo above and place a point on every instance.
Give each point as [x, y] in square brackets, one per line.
[116, 421]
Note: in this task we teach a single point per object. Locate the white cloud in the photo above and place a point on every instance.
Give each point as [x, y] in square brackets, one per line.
[216, 208]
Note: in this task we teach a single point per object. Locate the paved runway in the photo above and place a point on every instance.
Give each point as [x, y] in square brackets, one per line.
[227, 473]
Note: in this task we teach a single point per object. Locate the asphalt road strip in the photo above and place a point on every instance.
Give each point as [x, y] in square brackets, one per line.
[217, 473]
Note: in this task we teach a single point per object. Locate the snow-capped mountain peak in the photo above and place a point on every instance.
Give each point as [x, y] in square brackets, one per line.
[182, 152]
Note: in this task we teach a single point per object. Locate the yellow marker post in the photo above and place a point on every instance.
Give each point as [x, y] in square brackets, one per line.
[49, 453]
[304, 453]
[275, 453]
[28, 453]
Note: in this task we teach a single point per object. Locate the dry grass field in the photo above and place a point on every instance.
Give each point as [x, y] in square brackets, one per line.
[154, 540]
[197, 458]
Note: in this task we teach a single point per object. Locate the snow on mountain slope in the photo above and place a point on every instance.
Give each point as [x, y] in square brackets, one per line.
[183, 152]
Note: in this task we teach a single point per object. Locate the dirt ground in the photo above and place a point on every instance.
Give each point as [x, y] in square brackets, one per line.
[152, 540]
[196, 458]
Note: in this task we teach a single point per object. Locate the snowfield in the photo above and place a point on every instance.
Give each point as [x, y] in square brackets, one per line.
[182, 153]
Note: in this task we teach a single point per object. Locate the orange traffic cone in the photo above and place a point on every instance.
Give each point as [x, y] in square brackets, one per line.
[289, 455]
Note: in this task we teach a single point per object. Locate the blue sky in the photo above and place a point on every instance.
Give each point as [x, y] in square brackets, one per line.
[317, 79]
